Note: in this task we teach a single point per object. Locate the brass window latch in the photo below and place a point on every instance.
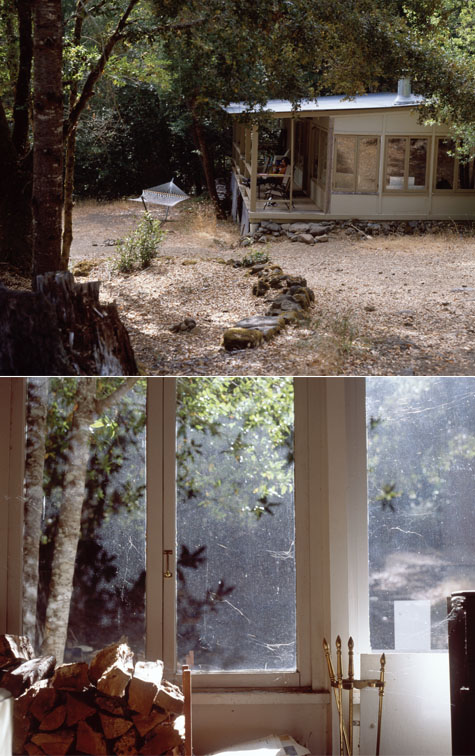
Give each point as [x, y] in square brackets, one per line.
[167, 553]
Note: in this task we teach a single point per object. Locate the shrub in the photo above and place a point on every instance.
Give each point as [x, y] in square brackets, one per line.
[255, 256]
[139, 249]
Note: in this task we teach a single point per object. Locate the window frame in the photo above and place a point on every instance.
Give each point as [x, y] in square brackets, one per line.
[356, 154]
[161, 512]
[406, 191]
[456, 189]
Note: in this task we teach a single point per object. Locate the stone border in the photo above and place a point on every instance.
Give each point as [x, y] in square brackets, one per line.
[289, 305]
[315, 233]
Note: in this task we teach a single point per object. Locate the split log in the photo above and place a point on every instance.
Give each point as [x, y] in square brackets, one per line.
[107, 657]
[21, 678]
[126, 745]
[54, 719]
[144, 686]
[110, 705]
[54, 743]
[71, 676]
[162, 739]
[114, 681]
[21, 715]
[14, 647]
[145, 724]
[62, 329]
[43, 702]
[76, 710]
[90, 741]
[170, 698]
[114, 727]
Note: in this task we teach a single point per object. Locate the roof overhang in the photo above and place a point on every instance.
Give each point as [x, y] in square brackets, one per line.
[330, 104]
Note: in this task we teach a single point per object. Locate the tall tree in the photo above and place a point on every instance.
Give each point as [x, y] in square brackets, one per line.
[86, 409]
[48, 136]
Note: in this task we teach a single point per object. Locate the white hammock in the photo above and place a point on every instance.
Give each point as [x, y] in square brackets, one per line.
[166, 194]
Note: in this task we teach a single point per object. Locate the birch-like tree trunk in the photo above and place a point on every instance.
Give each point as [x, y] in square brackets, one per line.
[37, 409]
[48, 136]
[69, 522]
[86, 409]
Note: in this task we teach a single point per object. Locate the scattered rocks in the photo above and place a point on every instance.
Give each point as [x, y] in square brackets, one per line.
[289, 305]
[185, 325]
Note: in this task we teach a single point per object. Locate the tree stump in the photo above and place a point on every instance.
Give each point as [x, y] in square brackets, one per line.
[62, 329]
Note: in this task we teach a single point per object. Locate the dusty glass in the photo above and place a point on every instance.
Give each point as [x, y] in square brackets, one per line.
[421, 518]
[236, 595]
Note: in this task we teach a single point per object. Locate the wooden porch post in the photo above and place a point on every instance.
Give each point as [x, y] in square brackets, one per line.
[292, 150]
[254, 156]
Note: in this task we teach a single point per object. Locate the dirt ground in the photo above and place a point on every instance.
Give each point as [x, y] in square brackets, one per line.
[396, 305]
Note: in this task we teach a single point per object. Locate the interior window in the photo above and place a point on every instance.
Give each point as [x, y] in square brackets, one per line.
[421, 467]
[87, 468]
[236, 595]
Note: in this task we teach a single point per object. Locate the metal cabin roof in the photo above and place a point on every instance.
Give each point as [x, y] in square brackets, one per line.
[383, 100]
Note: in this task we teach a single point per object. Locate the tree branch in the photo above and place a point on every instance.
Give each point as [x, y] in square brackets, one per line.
[97, 71]
[108, 401]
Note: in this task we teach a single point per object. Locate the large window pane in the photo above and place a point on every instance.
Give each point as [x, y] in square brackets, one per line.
[107, 599]
[421, 468]
[417, 163]
[236, 607]
[466, 175]
[368, 153]
[445, 164]
[395, 162]
[345, 162]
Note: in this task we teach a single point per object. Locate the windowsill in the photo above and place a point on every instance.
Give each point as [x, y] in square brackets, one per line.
[256, 697]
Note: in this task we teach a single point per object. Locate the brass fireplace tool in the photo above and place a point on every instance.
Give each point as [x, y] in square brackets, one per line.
[340, 683]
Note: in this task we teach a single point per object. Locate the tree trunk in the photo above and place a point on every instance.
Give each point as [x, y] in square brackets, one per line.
[208, 166]
[69, 522]
[87, 408]
[34, 467]
[48, 137]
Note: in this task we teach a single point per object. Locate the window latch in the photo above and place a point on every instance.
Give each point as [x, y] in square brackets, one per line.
[167, 553]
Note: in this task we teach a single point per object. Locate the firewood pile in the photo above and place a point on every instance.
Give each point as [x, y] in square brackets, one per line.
[111, 706]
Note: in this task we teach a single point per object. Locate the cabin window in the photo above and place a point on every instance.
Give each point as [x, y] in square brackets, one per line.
[451, 173]
[356, 164]
[322, 157]
[406, 164]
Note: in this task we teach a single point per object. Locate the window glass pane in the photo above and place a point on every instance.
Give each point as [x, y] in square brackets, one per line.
[105, 494]
[395, 162]
[345, 162]
[421, 467]
[322, 160]
[466, 175]
[235, 524]
[445, 164]
[368, 164]
[316, 139]
[417, 163]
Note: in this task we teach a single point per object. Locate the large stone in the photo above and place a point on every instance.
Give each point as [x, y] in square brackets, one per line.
[267, 325]
[317, 229]
[304, 238]
[320, 239]
[241, 338]
[299, 228]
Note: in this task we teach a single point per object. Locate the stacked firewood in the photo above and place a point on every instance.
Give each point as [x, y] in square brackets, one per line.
[110, 706]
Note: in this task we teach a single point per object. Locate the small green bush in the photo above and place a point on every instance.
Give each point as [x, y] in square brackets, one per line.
[255, 256]
[139, 249]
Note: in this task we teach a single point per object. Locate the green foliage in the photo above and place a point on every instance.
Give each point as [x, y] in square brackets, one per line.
[255, 256]
[235, 444]
[141, 247]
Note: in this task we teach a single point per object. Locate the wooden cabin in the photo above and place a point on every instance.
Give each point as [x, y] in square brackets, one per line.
[367, 157]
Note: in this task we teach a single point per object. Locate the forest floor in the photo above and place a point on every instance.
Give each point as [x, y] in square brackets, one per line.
[388, 305]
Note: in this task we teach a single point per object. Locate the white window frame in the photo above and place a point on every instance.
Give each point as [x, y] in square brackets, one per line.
[161, 518]
[311, 523]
